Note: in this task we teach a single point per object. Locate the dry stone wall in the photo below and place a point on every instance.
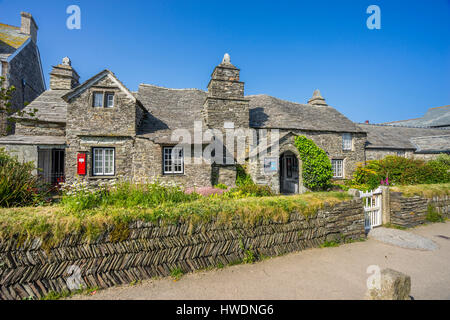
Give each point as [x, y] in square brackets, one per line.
[412, 211]
[148, 250]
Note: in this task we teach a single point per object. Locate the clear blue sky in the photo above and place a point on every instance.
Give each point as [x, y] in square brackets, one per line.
[283, 48]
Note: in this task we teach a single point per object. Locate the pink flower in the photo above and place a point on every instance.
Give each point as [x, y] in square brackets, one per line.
[204, 191]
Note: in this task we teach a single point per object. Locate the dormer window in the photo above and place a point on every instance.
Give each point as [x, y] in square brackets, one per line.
[103, 100]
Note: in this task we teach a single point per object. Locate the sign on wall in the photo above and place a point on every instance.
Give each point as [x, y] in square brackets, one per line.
[270, 164]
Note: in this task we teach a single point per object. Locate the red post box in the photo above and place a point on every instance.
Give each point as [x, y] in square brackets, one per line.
[81, 163]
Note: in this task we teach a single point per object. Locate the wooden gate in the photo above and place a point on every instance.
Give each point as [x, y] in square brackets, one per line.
[372, 208]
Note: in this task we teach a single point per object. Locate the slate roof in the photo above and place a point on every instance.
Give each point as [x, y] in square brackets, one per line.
[271, 112]
[10, 40]
[433, 144]
[171, 109]
[434, 117]
[43, 140]
[398, 137]
[50, 105]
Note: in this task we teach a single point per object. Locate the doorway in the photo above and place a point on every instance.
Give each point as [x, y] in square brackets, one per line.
[289, 176]
[51, 165]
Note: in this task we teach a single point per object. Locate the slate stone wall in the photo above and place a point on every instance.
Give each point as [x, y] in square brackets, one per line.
[412, 211]
[154, 250]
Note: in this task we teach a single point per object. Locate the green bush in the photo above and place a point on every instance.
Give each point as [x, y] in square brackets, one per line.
[317, 171]
[444, 159]
[18, 186]
[395, 170]
[249, 190]
[221, 186]
[433, 215]
[242, 177]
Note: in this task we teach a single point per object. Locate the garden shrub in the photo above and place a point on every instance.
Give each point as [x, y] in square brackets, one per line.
[317, 171]
[395, 170]
[221, 186]
[242, 177]
[18, 186]
[249, 190]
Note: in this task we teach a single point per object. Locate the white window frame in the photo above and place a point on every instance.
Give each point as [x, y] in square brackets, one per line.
[347, 141]
[109, 94]
[335, 166]
[102, 172]
[171, 160]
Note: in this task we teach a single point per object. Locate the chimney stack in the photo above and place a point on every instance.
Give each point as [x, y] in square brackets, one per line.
[28, 26]
[63, 76]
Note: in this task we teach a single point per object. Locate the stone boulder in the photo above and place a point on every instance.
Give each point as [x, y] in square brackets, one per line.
[394, 285]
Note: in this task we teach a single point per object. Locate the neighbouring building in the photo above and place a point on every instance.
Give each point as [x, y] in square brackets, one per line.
[438, 117]
[411, 142]
[20, 65]
[100, 130]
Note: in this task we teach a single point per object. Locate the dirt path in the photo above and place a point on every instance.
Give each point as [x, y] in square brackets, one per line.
[328, 273]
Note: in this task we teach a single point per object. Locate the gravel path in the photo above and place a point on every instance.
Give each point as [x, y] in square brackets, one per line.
[319, 273]
[404, 239]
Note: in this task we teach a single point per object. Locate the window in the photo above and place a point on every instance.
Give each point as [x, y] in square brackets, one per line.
[98, 99]
[347, 141]
[109, 100]
[103, 161]
[337, 168]
[173, 161]
[101, 100]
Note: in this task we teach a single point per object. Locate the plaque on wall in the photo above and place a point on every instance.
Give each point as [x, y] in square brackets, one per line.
[270, 164]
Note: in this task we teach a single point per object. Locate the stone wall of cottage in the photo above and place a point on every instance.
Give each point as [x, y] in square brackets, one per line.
[124, 149]
[412, 211]
[40, 129]
[148, 166]
[330, 142]
[88, 127]
[378, 154]
[25, 65]
[148, 250]
[84, 119]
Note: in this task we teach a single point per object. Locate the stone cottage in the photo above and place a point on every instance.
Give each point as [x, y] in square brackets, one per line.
[406, 141]
[20, 65]
[100, 130]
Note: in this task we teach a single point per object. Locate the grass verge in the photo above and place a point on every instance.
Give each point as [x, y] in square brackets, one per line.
[423, 190]
[53, 223]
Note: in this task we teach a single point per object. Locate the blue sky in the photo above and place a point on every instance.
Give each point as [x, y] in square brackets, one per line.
[283, 48]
